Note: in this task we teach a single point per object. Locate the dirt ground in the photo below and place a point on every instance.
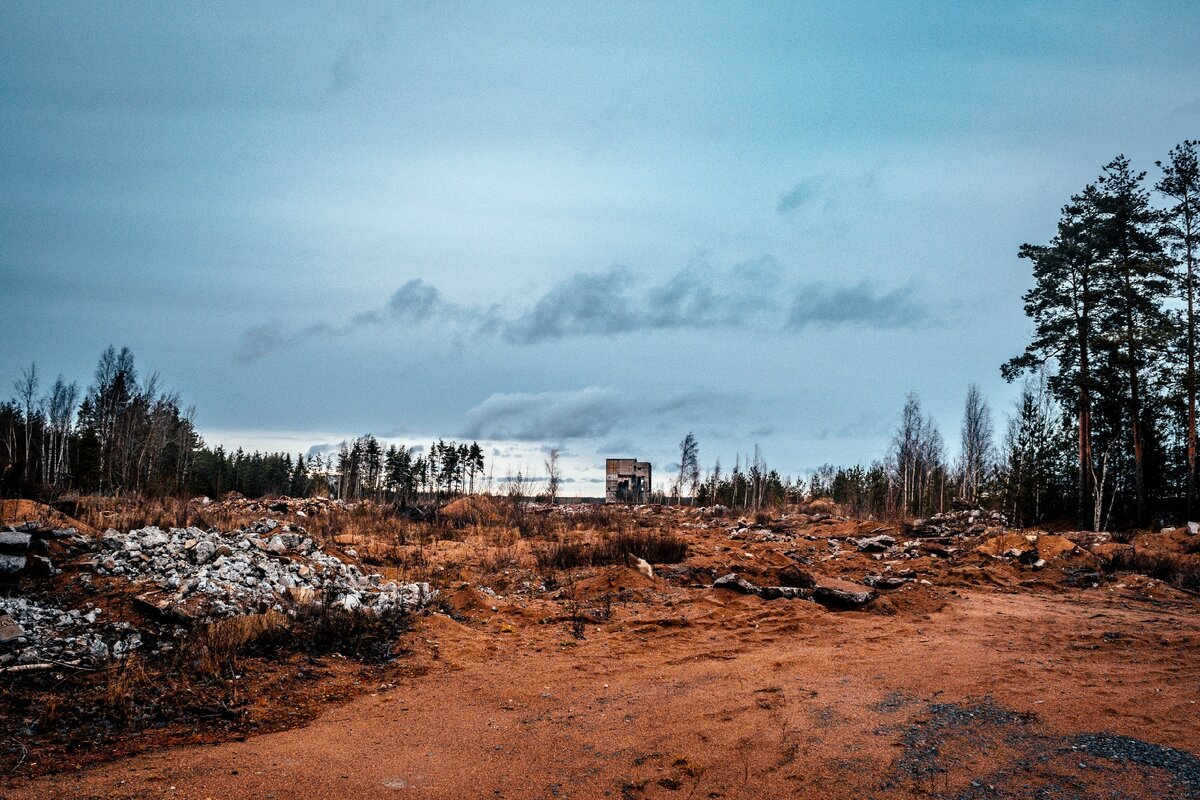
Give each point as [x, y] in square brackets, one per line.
[990, 679]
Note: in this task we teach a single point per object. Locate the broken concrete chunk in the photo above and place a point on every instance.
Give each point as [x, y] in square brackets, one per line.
[876, 544]
[203, 552]
[834, 593]
[735, 583]
[10, 564]
[14, 542]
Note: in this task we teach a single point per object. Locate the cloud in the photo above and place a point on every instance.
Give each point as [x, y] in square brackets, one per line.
[258, 341]
[751, 295]
[413, 304]
[606, 303]
[799, 195]
[547, 416]
[821, 305]
[583, 304]
[585, 413]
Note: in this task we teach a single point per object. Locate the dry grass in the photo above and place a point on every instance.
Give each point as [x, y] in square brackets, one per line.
[213, 652]
[655, 547]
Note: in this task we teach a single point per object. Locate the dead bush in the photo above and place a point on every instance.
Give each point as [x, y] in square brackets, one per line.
[213, 651]
[1153, 565]
[320, 628]
[1188, 576]
[127, 680]
[656, 547]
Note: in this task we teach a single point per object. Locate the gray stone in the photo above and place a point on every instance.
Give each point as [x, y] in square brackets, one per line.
[793, 576]
[834, 593]
[203, 551]
[10, 564]
[14, 543]
[885, 581]
[39, 566]
[735, 583]
[783, 592]
[875, 544]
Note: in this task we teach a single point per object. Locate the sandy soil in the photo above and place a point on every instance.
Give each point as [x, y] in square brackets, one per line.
[982, 677]
[721, 695]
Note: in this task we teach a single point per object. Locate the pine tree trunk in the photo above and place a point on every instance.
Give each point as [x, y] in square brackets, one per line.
[1191, 366]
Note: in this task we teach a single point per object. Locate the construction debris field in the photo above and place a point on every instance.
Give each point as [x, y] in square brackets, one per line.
[582, 651]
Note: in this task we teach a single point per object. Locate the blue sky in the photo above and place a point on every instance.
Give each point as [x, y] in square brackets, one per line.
[597, 226]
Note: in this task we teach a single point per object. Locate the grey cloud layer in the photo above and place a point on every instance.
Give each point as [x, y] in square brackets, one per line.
[754, 295]
[800, 194]
[579, 414]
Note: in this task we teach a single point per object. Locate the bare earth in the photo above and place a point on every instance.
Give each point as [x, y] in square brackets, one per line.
[723, 695]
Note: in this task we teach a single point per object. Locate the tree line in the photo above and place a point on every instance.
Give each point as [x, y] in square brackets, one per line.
[1104, 428]
[126, 435]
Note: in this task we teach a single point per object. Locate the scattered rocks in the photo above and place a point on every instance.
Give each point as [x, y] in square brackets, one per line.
[967, 522]
[32, 633]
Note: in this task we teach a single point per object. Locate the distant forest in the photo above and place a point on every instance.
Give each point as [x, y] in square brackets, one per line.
[1102, 435]
[125, 436]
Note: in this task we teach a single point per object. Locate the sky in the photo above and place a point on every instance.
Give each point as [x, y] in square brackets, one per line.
[592, 226]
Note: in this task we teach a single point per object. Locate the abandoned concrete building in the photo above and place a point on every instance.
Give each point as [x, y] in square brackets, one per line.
[626, 480]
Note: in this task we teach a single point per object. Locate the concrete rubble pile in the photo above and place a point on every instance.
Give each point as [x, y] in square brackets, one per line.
[298, 506]
[967, 522]
[179, 577]
[32, 634]
[197, 575]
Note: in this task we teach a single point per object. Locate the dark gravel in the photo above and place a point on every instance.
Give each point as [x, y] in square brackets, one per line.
[1184, 766]
[980, 750]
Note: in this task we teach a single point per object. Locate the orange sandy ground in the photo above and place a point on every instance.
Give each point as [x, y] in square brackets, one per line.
[691, 692]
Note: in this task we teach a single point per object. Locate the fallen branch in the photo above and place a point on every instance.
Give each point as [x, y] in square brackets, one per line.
[44, 666]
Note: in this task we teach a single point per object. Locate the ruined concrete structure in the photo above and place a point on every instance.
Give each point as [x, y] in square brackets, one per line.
[626, 480]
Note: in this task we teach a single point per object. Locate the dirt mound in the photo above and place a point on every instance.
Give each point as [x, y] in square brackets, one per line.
[18, 512]
[1051, 546]
[475, 509]
[1004, 543]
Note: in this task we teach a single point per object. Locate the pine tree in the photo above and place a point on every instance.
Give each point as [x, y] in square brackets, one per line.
[1180, 184]
[1135, 281]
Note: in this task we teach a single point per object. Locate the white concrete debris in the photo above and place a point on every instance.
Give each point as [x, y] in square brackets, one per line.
[208, 574]
[32, 633]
